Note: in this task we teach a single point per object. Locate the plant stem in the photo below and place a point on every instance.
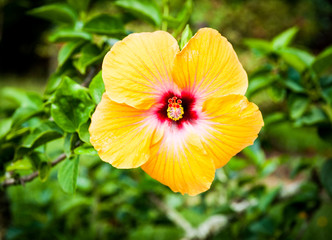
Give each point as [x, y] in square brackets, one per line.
[182, 25]
[30, 177]
[165, 15]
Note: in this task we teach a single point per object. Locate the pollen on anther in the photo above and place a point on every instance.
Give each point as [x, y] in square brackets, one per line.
[174, 110]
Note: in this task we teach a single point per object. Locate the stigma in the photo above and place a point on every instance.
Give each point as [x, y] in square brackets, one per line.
[175, 109]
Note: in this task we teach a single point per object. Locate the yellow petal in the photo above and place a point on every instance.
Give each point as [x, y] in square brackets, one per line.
[138, 69]
[231, 124]
[208, 66]
[179, 161]
[121, 134]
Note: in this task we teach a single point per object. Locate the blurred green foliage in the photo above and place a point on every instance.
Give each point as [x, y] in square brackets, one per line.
[278, 188]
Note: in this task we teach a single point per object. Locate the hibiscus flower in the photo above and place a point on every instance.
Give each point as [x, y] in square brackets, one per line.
[179, 115]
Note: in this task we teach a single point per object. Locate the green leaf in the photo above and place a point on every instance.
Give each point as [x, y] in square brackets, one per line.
[143, 9]
[85, 149]
[265, 227]
[185, 12]
[22, 98]
[97, 88]
[326, 176]
[294, 86]
[68, 173]
[298, 104]
[323, 61]
[293, 81]
[67, 34]
[183, 17]
[237, 164]
[43, 133]
[277, 93]
[172, 21]
[301, 166]
[70, 142]
[320, 225]
[108, 188]
[22, 114]
[150, 232]
[83, 132]
[186, 36]
[326, 85]
[314, 116]
[273, 118]
[56, 78]
[309, 191]
[326, 81]
[104, 24]
[261, 47]
[67, 50]
[44, 169]
[80, 5]
[18, 133]
[267, 199]
[58, 13]
[259, 83]
[90, 54]
[5, 126]
[298, 59]
[269, 167]
[76, 202]
[53, 82]
[35, 157]
[285, 38]
[255, 153]
[23, 164]
[71, 105]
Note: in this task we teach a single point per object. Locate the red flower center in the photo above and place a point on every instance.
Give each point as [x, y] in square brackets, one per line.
[177, 109]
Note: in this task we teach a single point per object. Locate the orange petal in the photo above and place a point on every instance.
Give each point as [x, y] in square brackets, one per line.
[208, 66]
[138, 68]
[231, 124]
[180, 162]
[121, 134]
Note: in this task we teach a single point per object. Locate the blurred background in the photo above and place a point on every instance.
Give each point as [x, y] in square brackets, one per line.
[278, 188]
